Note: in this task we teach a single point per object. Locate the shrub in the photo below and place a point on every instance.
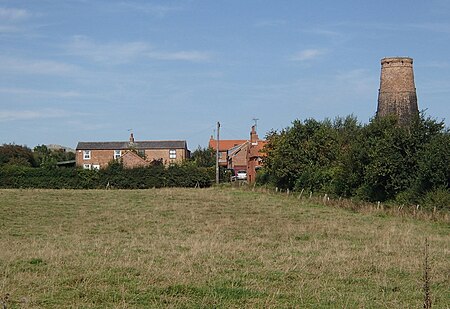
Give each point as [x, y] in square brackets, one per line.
[439, 198]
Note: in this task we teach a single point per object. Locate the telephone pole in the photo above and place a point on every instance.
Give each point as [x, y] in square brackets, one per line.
[217, 153]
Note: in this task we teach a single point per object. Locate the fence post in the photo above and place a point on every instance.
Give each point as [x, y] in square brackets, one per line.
[300, 196]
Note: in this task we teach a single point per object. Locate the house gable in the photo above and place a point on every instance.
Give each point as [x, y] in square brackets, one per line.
[130, 159]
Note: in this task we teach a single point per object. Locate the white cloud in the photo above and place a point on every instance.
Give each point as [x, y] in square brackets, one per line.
[125, 52]
[40, 93]
[148, 8]
[439, 27]
[195, 56]
[9, 29]
[435, 27]
[359, 82]
[12, 14]
[10, 20]
[45, 67]
[323, 32]
[270, 23]
[307, 54]
[112, 53]
[13, 115]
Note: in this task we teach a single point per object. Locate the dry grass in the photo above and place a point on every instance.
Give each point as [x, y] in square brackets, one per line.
[204, 248]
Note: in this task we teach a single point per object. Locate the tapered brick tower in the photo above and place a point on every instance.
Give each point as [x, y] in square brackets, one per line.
[397, 93]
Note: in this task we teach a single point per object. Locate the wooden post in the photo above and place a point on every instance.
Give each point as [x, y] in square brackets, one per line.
[301, 193]
[217, 153]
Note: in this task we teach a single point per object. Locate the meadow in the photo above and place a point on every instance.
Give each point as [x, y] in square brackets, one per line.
[211, 248]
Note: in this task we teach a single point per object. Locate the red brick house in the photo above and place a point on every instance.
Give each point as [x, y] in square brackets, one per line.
[224, 146]
[241, 154]
[254, 155]
[96, 155]
[237, 157]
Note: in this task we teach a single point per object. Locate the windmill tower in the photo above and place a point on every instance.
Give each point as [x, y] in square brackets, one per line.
[397, 93]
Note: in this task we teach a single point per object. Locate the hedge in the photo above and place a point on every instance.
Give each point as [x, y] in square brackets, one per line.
[112, 177]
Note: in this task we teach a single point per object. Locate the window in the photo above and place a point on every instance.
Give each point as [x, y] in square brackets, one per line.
[96, 167]
[86, 155]
[172, 154]
[87, 166]
[117, 154]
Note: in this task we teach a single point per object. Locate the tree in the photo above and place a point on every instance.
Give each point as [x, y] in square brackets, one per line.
[204, 157]
[380, 161]
[46, 157]
[11, 154]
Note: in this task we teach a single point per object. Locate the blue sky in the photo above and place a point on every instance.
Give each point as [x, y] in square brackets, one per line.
[75, 70]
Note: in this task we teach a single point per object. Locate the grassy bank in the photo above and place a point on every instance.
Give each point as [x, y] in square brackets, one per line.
[203, 248]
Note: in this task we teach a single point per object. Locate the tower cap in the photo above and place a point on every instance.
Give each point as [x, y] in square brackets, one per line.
[396, 60]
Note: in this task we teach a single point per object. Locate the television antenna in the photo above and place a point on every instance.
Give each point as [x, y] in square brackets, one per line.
[256, 122]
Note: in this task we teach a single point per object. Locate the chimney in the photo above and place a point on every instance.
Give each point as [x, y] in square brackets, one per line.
[131, 138]
[254, 136]
[397, 93]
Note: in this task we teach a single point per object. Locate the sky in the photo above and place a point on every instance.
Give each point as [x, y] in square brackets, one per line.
[96, 70]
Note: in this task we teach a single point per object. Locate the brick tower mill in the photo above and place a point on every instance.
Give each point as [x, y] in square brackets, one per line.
[397, 93]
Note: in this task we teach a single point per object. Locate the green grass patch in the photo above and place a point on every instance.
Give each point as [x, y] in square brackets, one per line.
[210, 248]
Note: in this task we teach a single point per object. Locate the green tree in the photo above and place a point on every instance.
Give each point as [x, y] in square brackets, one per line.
[433, 168]
[11, 154]
[48, 158]
[390, 155]
[302, 156]
[380, 161]
[204, 157]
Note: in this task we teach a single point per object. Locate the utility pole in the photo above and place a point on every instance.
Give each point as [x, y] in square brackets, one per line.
[217, 153]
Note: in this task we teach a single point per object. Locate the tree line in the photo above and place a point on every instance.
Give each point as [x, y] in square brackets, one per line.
[40, 156]
[378, 161]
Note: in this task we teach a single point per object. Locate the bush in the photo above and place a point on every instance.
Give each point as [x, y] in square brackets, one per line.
[439, 198]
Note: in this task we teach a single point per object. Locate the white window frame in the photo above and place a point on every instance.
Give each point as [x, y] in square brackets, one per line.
[87, 166]
[95, 167]
[86, 154]
[117, 154]
[172, 154]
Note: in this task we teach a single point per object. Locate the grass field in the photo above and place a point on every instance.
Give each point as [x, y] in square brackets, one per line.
[211, 248]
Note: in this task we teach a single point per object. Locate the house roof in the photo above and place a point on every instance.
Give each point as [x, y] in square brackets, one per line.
[226, 144]
[136, 145]
[256, 150]
[237, 148]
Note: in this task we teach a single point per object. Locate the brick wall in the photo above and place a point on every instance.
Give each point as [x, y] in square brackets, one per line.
[156, 154]
[98, 157]
[133, 160]
[102, 158]
[239, 159]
